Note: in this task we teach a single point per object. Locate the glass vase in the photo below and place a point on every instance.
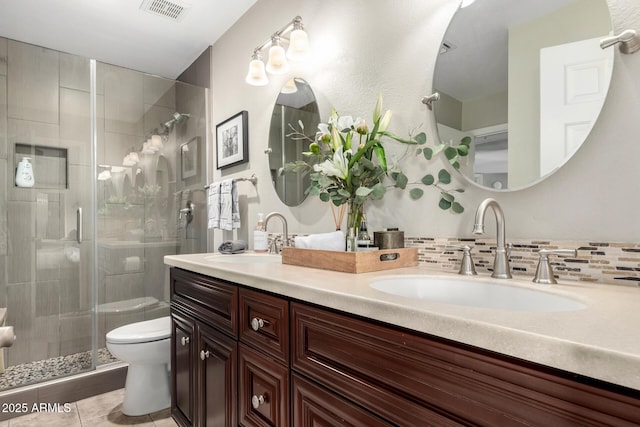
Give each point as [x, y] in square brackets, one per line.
[355, 215]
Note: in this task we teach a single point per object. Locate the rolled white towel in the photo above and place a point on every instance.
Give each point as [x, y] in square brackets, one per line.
[333, 241]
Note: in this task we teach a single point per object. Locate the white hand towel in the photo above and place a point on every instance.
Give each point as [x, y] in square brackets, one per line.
[333, 241]
[229, 209]
[213, 205]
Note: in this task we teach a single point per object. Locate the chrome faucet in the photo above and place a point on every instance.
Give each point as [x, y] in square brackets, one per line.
[501, 269]
[285, 231]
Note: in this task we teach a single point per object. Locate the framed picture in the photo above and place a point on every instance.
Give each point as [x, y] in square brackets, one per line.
[232, 141]
[189, 158]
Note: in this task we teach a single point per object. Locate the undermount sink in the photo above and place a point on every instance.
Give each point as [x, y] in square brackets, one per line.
[475, 293]
[244, 258]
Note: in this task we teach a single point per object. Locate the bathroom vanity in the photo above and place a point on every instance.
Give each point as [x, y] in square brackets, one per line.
[267, 344]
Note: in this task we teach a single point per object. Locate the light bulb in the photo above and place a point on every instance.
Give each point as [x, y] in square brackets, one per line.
[256, 75]
[298, 45]
[277, 63]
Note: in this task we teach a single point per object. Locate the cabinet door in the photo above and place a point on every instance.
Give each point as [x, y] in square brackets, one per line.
[218, 378]
[264, 390]
[314, 406]
[183, 367]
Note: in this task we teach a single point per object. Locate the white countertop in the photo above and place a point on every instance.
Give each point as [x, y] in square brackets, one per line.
[601, 341]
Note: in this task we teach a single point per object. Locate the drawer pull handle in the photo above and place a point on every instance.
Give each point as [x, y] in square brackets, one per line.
[204, 354]
[257, 323]
[184, 341]
[256, 401]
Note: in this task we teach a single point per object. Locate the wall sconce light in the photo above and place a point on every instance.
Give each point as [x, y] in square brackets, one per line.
[277, 62]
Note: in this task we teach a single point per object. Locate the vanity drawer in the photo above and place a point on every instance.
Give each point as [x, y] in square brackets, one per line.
[404, 376]
[264, 323]
[211, 300]
[264, 390]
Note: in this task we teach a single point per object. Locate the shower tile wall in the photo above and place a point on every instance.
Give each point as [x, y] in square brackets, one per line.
[44, 101]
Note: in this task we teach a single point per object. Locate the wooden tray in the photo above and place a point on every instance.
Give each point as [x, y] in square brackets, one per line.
[351, 262]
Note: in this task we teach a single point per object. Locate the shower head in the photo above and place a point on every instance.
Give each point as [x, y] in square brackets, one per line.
[176, 118]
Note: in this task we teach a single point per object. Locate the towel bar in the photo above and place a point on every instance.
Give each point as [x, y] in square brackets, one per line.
[253, 179]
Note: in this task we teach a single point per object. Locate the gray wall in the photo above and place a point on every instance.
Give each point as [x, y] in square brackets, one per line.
[594, 196]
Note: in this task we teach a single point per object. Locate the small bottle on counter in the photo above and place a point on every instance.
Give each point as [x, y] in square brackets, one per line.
[363, 240]
[351, 240]
[260, 238]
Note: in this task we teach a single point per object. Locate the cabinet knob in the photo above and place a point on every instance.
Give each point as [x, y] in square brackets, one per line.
[184, 341]
[256, 401]
[204, 354]
[257, 323]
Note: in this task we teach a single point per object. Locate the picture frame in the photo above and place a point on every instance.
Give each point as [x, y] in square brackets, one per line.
[189, 158]
[232, 141]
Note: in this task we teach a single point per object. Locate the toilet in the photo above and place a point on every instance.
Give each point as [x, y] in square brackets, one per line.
[146, 347]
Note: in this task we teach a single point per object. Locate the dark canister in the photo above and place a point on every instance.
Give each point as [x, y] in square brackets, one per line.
[389, 239]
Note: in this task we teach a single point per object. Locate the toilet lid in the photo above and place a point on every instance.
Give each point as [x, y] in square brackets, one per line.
[149, 330]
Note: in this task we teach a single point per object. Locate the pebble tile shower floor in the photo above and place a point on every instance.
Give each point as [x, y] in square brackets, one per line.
[48, 369]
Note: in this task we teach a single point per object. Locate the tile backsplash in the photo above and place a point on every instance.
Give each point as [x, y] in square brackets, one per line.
[602, 262]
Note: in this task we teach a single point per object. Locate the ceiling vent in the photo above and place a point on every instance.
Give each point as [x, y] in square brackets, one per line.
[170, 9]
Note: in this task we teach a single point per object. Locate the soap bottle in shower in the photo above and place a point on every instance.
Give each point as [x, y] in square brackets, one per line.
[260, 239]
[24, 173]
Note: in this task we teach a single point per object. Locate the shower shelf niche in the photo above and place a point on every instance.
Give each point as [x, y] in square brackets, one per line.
[50, 165]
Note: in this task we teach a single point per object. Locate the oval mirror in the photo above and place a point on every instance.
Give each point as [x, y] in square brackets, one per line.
[295, 104]
[525, 81]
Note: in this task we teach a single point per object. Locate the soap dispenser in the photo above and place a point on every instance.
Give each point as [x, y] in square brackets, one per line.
[24, 173]
[260, 238]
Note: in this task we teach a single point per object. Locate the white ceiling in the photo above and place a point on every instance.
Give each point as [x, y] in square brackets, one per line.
[119, 33]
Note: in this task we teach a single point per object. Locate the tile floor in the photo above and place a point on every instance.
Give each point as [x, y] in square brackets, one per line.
[98, 411]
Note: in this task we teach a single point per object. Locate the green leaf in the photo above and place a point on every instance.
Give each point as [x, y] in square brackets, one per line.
[444, 176]
[363, 191]
[428, 153]
[444, 204]
[378, 150]
[455, 164]
[457, 207]
[451, 152]
[416, 193]
[402, 181]
[448, 197]
[428, 179]
[466, 141]
[344, 193]
[377, 191]
[463, 150]
[420, 138]
[314, 191]
[325, 197]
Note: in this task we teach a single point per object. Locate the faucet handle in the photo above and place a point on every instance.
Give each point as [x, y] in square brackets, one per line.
[466, 266]
[544, 271]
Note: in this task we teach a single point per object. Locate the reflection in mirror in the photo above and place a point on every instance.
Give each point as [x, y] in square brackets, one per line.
[295, 104]
[526, 81]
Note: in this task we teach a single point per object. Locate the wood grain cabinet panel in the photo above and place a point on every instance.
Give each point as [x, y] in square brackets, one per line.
[264, 323]
[264, 390]
[391, 371]
[183, 378]
[314, 406]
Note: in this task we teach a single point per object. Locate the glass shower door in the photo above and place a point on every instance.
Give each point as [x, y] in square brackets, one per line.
[47, 286]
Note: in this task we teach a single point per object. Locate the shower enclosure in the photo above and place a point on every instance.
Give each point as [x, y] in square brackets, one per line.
[81, 251]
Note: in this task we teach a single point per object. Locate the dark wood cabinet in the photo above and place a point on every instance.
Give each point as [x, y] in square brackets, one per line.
[242, 357]
[204, 359]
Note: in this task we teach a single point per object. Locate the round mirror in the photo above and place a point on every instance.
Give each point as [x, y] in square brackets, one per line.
[525, 81]
[296, 104]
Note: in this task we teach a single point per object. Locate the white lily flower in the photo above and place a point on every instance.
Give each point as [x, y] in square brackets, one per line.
[323, 128]
[345, 122]
[384, 122]
[338, 166]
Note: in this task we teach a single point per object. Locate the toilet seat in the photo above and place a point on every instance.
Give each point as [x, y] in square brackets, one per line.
[141, 332]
